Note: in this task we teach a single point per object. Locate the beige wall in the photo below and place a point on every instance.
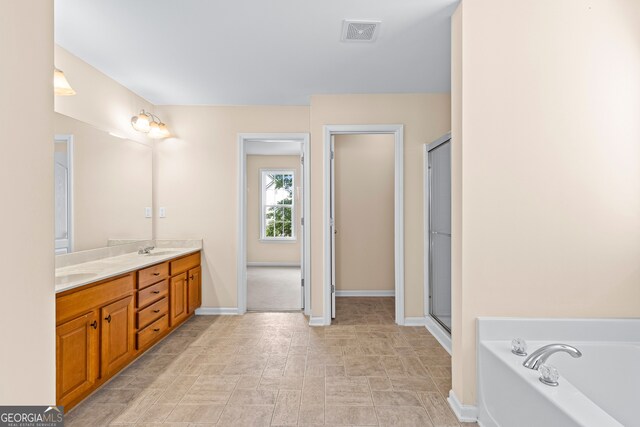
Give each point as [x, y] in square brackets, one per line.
[100, 101]
[550, 165]
[112, 185]
[425, 117]
[364, 196]
[197, 181]
[27, 306]
[274, 251]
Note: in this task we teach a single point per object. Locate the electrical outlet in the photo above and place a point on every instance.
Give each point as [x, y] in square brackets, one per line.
[163, 212]
[148, 213]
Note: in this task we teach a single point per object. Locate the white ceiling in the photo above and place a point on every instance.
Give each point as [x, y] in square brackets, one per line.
[245, 52]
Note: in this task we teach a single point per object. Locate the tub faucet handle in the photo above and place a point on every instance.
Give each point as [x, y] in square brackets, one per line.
[548, 375]
[519, 347]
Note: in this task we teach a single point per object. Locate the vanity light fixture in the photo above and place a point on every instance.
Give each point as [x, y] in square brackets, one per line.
[60, 84]
[150, 124]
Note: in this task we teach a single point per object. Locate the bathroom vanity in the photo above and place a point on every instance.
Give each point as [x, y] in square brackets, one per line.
[111, 310]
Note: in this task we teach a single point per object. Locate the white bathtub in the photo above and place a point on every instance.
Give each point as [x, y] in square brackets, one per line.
[600, 389]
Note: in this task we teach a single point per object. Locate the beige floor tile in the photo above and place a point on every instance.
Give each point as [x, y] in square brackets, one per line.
[287, 407]
[351, 415]
[157, 413]
[190, 413]
[364, 366]
[380, 383]
[311, 415]
[313, 391]
[438, 410]
[395, 398]
[255, 416]
[402, 416]
[348, 391]
[413, 384]
[243, 397]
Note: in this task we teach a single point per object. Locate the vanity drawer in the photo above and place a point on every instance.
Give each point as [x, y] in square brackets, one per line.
[153, 274]
[184, 264]
[151, 313]
[152, 293]
[153, 331]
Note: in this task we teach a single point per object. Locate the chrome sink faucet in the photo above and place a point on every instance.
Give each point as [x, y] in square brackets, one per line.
[146, 251]
[541, 355]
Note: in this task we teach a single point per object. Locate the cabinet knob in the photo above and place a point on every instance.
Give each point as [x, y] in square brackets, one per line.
[94, 325]
[155, 292]
[156, 311]
[191, 277]
[156, 274]
[108, 319]
[156, 330]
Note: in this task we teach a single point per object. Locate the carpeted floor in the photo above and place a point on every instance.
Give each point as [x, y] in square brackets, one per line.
[273, 289]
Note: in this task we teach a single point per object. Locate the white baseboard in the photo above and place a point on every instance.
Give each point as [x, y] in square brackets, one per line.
[464, 413]
[390, 293]
[316, 321]
[216, 311]
[438, 332]
[414, 321]
[273, 264]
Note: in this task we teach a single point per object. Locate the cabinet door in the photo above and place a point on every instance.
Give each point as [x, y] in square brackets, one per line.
[76, 357]
[178, 304]
[117, 335]
[194, 289]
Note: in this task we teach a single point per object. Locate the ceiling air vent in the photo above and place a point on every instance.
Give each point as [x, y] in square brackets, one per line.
[359, 30]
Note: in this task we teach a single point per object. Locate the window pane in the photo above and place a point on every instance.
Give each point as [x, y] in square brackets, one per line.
[269, 230]
[287, 229]
[278, 232]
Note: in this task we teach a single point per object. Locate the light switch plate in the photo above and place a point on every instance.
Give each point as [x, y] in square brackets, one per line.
[148, 213]
[163, 212]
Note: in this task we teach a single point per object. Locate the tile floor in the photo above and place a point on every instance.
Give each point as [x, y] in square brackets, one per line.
[265, 369]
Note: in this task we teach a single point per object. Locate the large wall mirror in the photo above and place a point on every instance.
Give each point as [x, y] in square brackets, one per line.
[103, 187]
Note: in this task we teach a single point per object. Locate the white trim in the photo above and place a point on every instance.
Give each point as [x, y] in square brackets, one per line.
[365, 293]
[464, 413]
[414, 321]
[316, 321]
[398, 132]
[273, 264]
[68, 139]
[241, 269]
[216, 311]
[438, 332]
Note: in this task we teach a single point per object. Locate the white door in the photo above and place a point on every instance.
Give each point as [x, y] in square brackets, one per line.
[62, 179]
[440, 233]
[332, 223]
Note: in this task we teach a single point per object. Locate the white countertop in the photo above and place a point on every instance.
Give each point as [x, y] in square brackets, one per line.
[77, 275]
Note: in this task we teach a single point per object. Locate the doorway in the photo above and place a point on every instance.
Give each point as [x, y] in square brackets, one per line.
[63, 178]
[438, 235]
[332, 228]
[273, 229]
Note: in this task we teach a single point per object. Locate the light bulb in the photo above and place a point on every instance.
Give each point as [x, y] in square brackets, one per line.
[154, 131]
[164, 130]
[141, 122]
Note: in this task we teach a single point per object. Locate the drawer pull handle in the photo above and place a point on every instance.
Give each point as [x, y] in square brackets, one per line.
[156, 311]
[156, 274]
[191, 277]
[108, 319]
[94, 325]
[156, 329]
[155, 292]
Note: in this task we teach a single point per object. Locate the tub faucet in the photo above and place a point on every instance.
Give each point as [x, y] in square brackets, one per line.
[541, 355]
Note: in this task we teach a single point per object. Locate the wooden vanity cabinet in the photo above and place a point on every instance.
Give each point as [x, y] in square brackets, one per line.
[76, 357]
[101, 327]
[194, 289]
[117, 335]
[179, 299]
